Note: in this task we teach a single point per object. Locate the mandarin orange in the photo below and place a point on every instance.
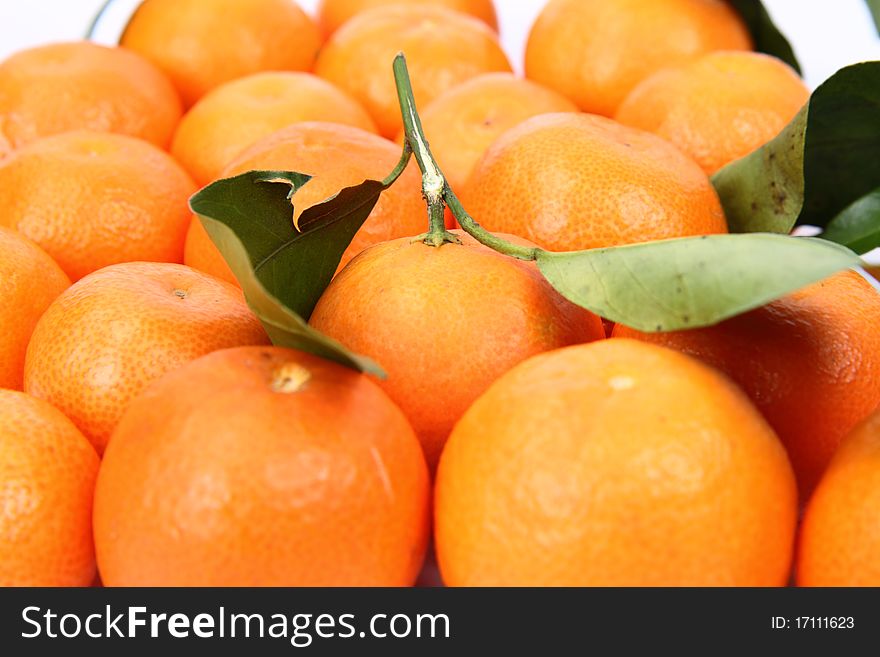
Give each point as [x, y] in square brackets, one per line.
[422, 313]
[809, 361]
[47, 479]
[337, 156]
[719, 107]
[578, 181]
[29, 281]
[443, 48]
[239, 113]
[840, 540]
[614, 464]
[596, 51]
[83, 86]
[262, 466]
[93, 199]
[333, 13]
[465, 121]
[104, 339]
[200, 44]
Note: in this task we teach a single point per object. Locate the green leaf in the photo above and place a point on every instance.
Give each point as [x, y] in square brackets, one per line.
[819, 165]
[691, 282]
[841, 162]
[765, 35]
[283, 271]
[874, 6]
[858, 226]
[764, 191]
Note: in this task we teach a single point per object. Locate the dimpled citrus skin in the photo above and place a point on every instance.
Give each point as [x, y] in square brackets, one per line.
[338, 156]
[445, 322]
[333, 13]
[109, 335]
[578, 181]
[840, 539]
[47, 477]
[200, 44]
[93, 199]
[719, 107]
[29, 281]
[614, 464]
[462, 123]
[809, 361]
[262, 467]
[596, 51]
[83, 86]
[235, 115]
[443, 48]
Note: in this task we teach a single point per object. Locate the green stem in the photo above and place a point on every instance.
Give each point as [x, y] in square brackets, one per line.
[434, 186]
[93, 27]
[475, 230]
[433, 182]
[400, 168]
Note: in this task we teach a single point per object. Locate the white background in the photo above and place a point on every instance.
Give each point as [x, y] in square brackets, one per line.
[826, 34]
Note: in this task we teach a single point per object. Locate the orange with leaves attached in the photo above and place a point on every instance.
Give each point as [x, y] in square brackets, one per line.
[596, 51]
[112, 333]
[262, 466]
[47, 478]
[614, 464]
[200, 44]
[421, 312]
[443, 48]
[578, 181]
[809, 361]
[719, 107]
[83, 86]
[337, 156]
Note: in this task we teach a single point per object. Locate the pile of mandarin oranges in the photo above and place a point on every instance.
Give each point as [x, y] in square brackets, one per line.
[150, 433]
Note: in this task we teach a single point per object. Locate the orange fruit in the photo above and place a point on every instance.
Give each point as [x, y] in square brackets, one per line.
[338, 156]
[809, 361]
[109, 335]
[235, 115]
[874, 272]
[577, 181]
[47, 477]
[443, 48]
[200, 44]
[422, 313]
[596, 51]
[262, 467]
[83, 86]
[840, 540]
[29, 281]
[614, 464]
[462, 123]
[93, 199]
[719, 107]
[333, 13]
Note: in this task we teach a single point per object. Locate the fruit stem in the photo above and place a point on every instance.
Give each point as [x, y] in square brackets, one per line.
[435, 189]
[93, 26]
[401, 166]
[472, 228]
